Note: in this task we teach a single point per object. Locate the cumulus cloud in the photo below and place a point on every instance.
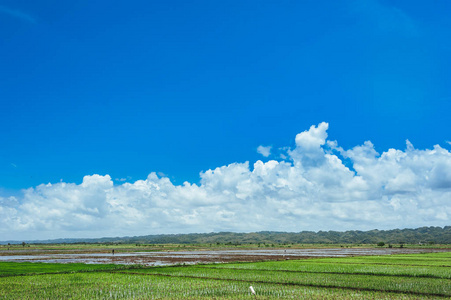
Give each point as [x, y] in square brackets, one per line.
[312, 189]
[265, 151]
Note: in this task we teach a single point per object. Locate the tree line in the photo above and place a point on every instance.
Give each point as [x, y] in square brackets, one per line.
[422, 235]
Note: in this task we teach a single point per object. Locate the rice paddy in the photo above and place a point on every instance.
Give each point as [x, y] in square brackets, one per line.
[412, 276]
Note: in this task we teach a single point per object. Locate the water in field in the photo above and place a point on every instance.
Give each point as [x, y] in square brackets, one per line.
[208, 256]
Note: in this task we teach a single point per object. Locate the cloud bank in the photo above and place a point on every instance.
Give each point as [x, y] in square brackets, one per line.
[319, 186]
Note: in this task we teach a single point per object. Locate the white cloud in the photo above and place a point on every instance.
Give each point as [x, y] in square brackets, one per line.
[309, 151]
[312, 190]
[265, 151]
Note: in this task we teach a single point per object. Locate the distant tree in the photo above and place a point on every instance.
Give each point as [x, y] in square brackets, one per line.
[381, 244]
[23, 244]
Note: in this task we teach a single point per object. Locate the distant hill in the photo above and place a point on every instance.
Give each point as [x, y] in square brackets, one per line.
[431, 235]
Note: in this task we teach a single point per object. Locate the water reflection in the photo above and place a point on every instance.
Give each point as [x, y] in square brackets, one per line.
[191, 257]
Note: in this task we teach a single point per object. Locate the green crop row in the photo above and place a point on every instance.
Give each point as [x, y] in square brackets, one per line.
[123, 286]
[309, 266]
[368, 282]
[23, 268]
[388, 260]
[379, 277]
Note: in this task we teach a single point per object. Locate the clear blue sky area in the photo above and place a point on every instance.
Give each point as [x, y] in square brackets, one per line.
[126, 88]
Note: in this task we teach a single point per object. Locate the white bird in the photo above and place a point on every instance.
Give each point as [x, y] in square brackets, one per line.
[252, 290]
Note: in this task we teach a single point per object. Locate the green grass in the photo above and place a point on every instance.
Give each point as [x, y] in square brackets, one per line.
[123, 286]
[365, 282]
[420, 276]
[434, 259]
[343, 268]
[28, 268]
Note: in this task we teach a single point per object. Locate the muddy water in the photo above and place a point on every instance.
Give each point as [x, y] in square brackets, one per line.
[192, 257]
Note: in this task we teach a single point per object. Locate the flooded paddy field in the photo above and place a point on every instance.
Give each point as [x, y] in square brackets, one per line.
[161, 258]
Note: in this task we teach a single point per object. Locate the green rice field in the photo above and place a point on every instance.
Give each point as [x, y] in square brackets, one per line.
[412, 276]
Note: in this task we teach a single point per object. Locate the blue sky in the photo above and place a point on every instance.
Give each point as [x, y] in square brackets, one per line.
[179, 88]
